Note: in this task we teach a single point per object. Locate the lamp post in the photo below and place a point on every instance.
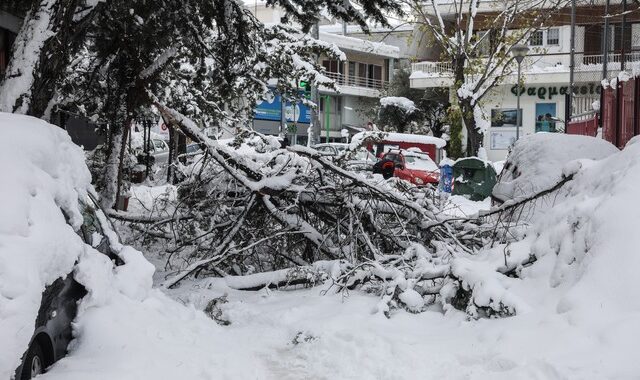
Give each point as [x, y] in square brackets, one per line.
[519, 52]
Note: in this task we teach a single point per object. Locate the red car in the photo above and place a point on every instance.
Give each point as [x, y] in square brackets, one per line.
[415, 167]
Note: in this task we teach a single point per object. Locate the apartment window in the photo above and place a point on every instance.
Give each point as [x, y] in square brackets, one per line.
[536, 38]
[635, 36]
[352, 73]
[484, 44]
[553, 36]
[332, 66]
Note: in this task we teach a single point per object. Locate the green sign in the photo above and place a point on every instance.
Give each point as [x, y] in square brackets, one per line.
[551, 91]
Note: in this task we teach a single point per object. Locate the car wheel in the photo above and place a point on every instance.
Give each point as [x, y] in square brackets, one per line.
[34, 363]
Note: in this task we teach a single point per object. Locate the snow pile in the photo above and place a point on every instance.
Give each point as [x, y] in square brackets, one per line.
[404, 104]
[43, 172]
[538, 160]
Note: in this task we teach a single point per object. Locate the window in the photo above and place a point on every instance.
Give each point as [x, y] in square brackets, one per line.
[332, 66]
[635, 36]
[159, 144]
[536, 38]
[352, 72]
[484, 44]
[553, 36]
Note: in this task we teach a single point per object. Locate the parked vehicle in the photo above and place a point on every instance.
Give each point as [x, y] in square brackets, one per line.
[331, 149]
[59, 304]
[415, 167]
[51, 235]
[361, 160]
[193, 150]
[159, 149]
[380, 143]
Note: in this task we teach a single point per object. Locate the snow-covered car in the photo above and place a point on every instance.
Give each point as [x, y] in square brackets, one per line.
[59, 304]
[537, 161]
[159, 149]
[49, 225]
[192, 151]
[415, 167]
[361, 160]
[331, 149]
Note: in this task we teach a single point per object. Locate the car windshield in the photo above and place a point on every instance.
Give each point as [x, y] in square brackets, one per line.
[364, 155]
[421, 162]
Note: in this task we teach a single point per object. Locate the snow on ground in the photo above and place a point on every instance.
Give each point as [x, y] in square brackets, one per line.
[305, 335]
[459, 206]
[147, 198]
[582, 319]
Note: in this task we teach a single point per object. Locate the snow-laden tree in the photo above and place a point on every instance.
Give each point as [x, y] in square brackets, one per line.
[429, 107]
[210, 60]
[51, 33]
[476, 37]
[398, 114]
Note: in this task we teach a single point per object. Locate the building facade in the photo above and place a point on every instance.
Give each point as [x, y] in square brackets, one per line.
[546, 76]
[368, 68]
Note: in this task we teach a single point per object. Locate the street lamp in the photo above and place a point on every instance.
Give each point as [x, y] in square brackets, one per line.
[519, 52]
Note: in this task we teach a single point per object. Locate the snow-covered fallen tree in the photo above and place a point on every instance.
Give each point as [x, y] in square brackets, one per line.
[249, 207]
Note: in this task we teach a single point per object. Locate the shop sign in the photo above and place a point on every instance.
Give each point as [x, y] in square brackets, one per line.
[548, 92]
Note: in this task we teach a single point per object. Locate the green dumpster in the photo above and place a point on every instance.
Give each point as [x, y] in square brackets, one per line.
[473, 178]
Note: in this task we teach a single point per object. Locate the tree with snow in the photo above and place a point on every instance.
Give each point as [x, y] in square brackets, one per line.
[52, 31]
[430, 106]
[478, 46]
[397, 114]
[210, 60]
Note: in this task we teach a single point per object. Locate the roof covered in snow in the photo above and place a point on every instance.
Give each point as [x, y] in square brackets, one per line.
[360, 45]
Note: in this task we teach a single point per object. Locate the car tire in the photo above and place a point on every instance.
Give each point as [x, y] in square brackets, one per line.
[34, 363]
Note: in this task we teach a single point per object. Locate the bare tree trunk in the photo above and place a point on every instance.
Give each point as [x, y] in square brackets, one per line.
[123, 148]
[474, 137]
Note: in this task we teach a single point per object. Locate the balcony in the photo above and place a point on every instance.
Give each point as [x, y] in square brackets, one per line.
[552, 68]
[355, 85]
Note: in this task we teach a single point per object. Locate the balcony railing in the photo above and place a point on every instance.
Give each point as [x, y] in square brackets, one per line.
[584, 63]
[433, 67]
[598, 59]
[355, 81]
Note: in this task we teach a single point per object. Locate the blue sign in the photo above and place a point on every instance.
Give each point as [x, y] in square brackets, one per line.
[446, 178]
[271, 109]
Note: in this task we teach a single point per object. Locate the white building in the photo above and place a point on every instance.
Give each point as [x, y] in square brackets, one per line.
[546, 78]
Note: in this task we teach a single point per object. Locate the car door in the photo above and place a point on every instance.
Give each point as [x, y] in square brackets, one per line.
[401, 169]
[160, 151]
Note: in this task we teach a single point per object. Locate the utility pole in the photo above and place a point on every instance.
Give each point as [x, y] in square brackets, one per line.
[622, 35]
[605, 44]
[572, 65]
[314, 128]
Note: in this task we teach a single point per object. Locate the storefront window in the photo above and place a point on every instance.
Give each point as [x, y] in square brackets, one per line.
[545, 117]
